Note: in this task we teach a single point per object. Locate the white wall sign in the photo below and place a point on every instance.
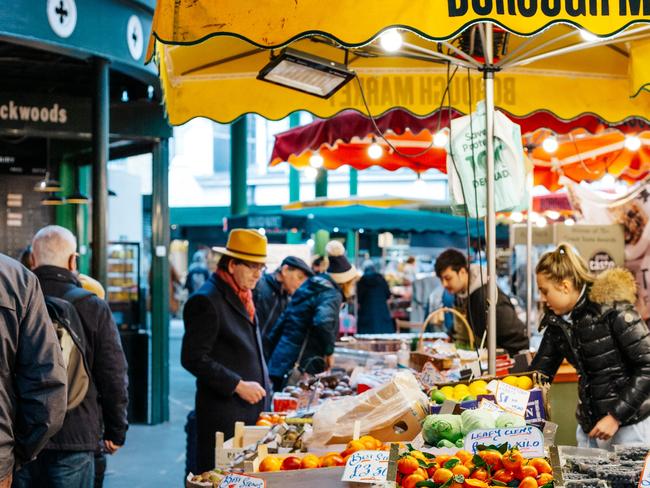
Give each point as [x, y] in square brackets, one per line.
[62, 16]
[135, 37]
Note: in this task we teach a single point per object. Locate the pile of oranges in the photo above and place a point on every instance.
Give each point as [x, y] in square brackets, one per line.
[331, 459]
[269, 419]
[485, 469]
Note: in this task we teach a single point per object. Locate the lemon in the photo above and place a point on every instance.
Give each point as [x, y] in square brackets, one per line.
[478, 387]
[448, 391]
[511, 380]
[524, 382]
[461, 387]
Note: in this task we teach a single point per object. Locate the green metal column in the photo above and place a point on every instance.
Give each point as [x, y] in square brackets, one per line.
[84, 177]
[321, 238]
[65, 214]
[100, 128]
[160, 285]
[321, 183]
[354, 182]
[351, 245]
[294, 174]
[238, 167]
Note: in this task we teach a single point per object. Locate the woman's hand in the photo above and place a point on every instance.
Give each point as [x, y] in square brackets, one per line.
[605, 428]
[251, 391]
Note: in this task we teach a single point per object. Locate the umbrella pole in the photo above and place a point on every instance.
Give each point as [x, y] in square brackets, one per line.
[488, 76]
[529, 256]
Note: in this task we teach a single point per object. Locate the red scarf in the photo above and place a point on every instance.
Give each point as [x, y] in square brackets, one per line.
[245, 296]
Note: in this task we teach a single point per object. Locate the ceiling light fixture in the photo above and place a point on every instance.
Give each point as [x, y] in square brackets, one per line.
[306, 73]
[550, 145]
[47, 184]
[52, 200]
[77, 198]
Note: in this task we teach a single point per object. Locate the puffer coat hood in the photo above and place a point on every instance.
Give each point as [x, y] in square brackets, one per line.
[608, 343]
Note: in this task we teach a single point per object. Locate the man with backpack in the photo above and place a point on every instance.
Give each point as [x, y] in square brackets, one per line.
[33, 382]
[68, 458]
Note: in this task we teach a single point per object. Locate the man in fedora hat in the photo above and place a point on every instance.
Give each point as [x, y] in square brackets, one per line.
[222, 345]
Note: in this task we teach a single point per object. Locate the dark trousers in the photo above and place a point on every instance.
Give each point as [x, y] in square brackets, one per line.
[57, 469]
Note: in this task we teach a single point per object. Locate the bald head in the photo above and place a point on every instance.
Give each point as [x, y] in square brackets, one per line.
[54, 246]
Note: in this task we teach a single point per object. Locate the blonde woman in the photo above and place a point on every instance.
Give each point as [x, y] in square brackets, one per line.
[591, 321]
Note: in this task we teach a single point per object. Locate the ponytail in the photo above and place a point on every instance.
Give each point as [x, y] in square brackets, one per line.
[564, 263]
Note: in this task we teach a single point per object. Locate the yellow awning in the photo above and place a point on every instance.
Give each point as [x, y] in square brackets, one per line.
[217, 78]
[273, 23]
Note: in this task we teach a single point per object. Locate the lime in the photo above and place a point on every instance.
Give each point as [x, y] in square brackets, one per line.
[438, 397]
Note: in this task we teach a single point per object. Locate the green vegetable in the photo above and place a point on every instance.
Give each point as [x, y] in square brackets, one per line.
[509, 420]
[446, 443]
[460, 443]
[443, 426]
[437, 396]
[479, 419]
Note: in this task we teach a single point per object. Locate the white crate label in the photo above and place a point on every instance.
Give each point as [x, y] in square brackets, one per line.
[644, 481]
[529, 439]
[430, 376]
[366, 467]
[232, 480]
[512, 399]
[491, 406]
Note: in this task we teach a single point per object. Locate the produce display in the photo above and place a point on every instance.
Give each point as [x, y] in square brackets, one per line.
[325, 386]
[449, 430]
[311, 461]
[210, 478]
[268, 419]
[621, 469]
[462, 392]
[491, 466]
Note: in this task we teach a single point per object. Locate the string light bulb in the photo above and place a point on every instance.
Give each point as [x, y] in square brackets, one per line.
[632, 143]
[375, 151]
[440, 139]
[550, 145]
[316, 160]
[391, 40]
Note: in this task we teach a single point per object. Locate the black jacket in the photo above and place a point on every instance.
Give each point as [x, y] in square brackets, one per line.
[512, 334]
[107, 398]
[33, 379]
[270, 301]
[314, 307]
[221, 346]
[609, 345]
[372, 296]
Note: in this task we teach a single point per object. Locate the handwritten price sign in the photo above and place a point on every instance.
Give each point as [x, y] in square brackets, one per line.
[512, 399]
[232, 480]
[366, 467]
[529, 439]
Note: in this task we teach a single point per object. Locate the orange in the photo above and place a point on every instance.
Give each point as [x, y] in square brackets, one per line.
[419, 455]
[442, 459]
[370, 442]
[433, 466]
[310, 461]
[474, 483]
[504, 476]
[442, 475]
[331, 459]
[270, 463]
[290, 463]
[407, 464]
[264, 423]
[528, 482]
[422, 472]
[411, 480]
[464, 456]
[354, 446]
[480, 474]
[461, 469]
[512, 460]
[541, 465]
[544, 478]
[527, 470]
[491, 457]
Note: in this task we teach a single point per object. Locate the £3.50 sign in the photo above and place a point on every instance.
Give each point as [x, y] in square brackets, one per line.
[366, 467]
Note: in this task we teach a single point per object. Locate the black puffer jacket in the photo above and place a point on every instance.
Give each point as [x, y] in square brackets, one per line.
[313, 308]
[609, 345]
[270, 301]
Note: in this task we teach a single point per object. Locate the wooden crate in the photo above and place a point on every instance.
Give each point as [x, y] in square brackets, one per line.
[245, 435]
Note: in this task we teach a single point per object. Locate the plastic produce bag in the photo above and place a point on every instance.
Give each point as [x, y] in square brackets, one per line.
[392, 412]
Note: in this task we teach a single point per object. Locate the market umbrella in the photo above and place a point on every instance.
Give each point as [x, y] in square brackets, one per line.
[221, 46]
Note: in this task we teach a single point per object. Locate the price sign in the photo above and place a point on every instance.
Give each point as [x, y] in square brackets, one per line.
[232, 480]
[644, 481]
[512, 399]
[491, 406]
[529, 439]
[366, 467]
[430, 376]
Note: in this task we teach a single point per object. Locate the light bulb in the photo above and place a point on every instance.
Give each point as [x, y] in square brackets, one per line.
[316, 160]
[311, 173]
[391, 40]
[541, 222]
[440, 139]
[335, 229]
[262, 231]
[361, 231]
[569, 222]
[517, 217]
[550, 145]
[632, 143]
[310, 242]
[375, 151]
[552, 214]
[588, 36]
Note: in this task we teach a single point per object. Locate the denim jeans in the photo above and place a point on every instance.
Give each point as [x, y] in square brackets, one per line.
[638, 433]
[58, 469]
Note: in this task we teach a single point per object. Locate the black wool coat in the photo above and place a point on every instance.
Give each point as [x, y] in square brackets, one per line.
[609, 345]
[221, 347]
